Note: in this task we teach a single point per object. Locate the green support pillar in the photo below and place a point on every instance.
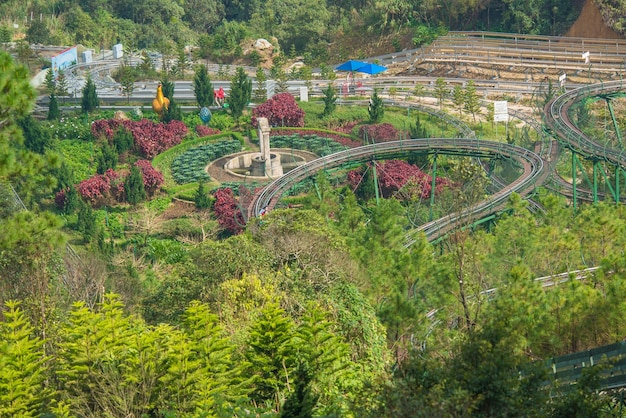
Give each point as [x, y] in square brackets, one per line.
[432, 188]
[615, 125]
[376, 183]
[574, 197]
[594, 186]
[618, 174]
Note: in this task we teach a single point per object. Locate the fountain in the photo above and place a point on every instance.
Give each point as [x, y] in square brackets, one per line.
[264, 164]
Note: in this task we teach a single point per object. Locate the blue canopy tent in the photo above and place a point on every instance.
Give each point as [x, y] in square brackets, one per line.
[350, 65]
[371, 69]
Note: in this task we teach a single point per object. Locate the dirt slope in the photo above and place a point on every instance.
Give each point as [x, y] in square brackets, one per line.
[591, 25]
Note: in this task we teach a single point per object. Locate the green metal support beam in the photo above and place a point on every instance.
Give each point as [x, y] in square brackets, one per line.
[614, 119]
[594, 186]
[574, 166]
[432, 188]
[376, 183]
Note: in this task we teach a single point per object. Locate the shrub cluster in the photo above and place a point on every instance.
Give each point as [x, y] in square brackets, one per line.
[280, 110]
[394, 175]
[109, 186]
[227, 212]
[381, 132]
[150, 138]
[316, 144]
[203, 130]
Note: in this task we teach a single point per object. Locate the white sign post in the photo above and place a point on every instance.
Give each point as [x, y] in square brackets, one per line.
[562, 79]
[501, 114]
[586, 57]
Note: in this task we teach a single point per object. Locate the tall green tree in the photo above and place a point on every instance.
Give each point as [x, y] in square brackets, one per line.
[127, 81]
[260, 93]
[202, 87]
[50, 82]
[89, 101]
[271, 354]
[330, 97]
[134, 187]
[458, 98]
[240, 93]
[441, 91]
[54, 112]
[23, 366]
[471, 99]
[376, 109]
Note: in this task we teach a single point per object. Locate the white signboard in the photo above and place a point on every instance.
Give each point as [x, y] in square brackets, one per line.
[500, 108]
[586, 57]
[500, 117]
[304, 94]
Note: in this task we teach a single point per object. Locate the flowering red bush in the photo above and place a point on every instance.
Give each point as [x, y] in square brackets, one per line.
[227, 211]
[203, 130]
[150, 138]
[152, 178]
[382, 132]
[341, 139]
[394, 175]
[280, 110]
[95, 189]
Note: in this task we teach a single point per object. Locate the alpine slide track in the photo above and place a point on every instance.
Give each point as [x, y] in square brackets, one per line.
[537, 165]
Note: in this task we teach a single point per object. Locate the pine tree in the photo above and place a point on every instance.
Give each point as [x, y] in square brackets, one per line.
[271, 353]
[61, 84]
[302, 401]
[50, 82]
[89, 101]
[330, 97]
[202, 87]
[458, 98]
[441, 91]
[240, 93]
[134, 187]
[472, 100]
[376, 109]
[23, 366]
[202, 197]
[127, 81]
[54, 113]
[107, 159]
[167, 87]
[86, 221]
[173, 112]
[260, 93]
[123, 140]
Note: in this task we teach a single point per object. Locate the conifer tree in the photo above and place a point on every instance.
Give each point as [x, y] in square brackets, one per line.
[89, 101]
[472, 100]
[201, 198]
[376, 109]
[61, 84]
[134, 187]
[23, 366]
[330, 97]
[54, 113]
[86, 221]
[260, 93]
[50, 82]
[202, 87]
[107, 158]
[271, 354]
[302, 401]
[123, 140]
[441, 91]
[240, 93]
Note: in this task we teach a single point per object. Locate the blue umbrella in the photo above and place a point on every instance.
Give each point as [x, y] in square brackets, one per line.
[371, 69]
[351, 65]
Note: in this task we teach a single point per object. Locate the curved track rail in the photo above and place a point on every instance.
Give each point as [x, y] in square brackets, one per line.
[534, 173]
[557, 118]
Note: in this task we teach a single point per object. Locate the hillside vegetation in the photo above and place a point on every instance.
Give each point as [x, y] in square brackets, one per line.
[315, 30]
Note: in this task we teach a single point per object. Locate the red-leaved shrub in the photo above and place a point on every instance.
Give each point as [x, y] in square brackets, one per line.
[394, 175]
[203, 130]
[150, 138]
[227, 211]
[280, 110]
[152, 178]
[95, 189]
[382, 132]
